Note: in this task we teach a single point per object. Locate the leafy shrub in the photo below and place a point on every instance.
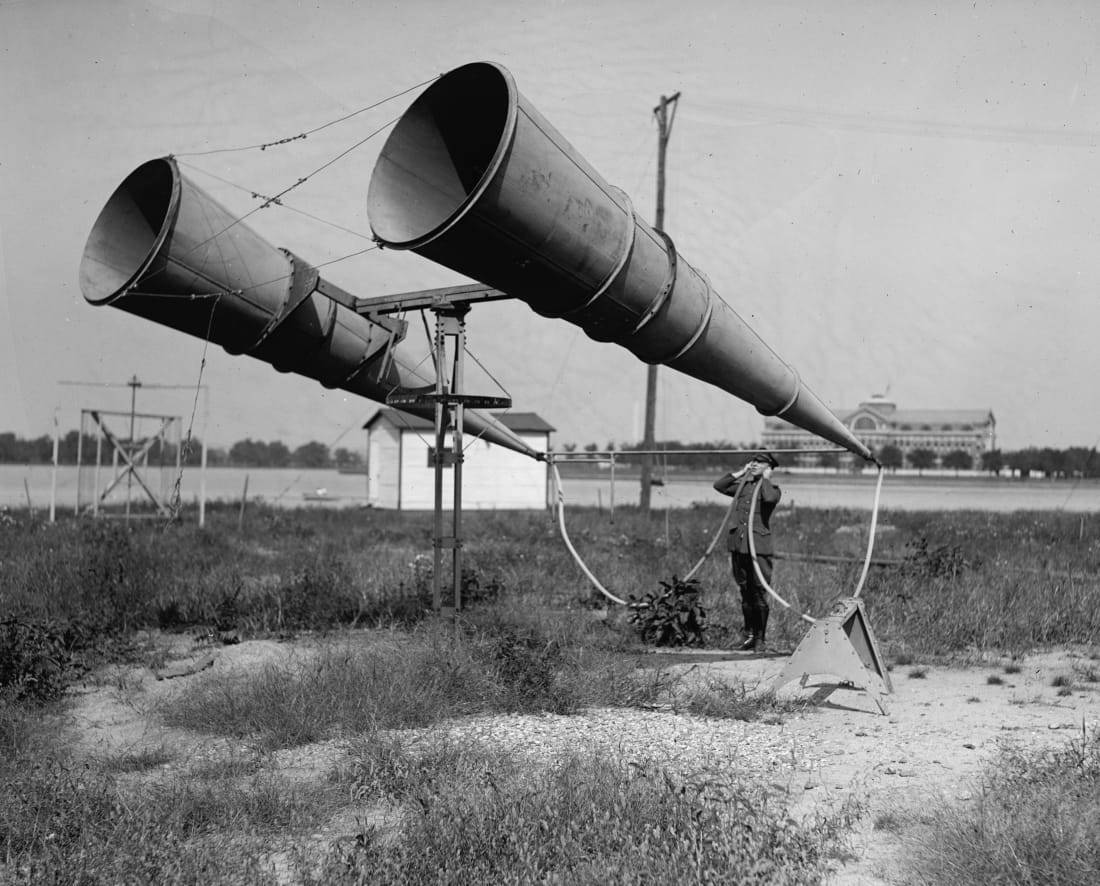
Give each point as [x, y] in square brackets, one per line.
[476, 590]
[942, 561]
[33, 660]
[673, 616]
[526, 664]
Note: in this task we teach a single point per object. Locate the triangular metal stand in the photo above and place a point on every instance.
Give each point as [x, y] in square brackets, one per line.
[840, 645]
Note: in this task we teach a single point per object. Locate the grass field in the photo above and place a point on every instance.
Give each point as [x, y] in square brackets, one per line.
[74, 595]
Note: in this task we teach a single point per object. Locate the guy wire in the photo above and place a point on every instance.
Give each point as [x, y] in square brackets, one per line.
[175, 502]
[484, 369]
[275, 202]
[296, 184]
[263, 146]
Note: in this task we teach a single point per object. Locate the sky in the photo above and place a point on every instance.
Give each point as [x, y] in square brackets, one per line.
[899, 197]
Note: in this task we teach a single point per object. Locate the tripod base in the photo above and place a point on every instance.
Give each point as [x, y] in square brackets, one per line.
[840, 645]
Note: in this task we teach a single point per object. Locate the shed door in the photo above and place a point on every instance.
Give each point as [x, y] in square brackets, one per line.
[374, 469]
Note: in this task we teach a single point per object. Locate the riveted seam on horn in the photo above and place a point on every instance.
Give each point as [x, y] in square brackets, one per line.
[793, 397]
[666, 290]
[628, 250]
[304, 278]
[698, 333]
[369, 355]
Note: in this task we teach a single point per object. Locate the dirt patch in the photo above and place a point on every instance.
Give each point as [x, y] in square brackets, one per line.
[942, 726]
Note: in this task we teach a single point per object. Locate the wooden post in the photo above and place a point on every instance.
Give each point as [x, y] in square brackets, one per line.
[664, 127]
[53, 478]
[244, 498]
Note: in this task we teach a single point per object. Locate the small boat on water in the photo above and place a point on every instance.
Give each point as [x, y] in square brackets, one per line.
[320, 494]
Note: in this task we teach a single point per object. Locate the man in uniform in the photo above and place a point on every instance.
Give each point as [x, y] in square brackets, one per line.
[741, 484]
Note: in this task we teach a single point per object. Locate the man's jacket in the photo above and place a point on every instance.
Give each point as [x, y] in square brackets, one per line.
[765, 504]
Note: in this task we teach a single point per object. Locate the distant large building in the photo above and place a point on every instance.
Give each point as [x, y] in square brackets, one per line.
[878, 422]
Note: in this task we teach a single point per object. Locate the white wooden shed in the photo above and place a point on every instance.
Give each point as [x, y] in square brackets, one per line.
[400, 474]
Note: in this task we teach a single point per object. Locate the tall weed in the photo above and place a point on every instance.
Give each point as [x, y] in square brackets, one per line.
[587, 820]
[1035, 820]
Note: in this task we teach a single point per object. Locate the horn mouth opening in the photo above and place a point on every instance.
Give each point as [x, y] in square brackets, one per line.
[129, 231]
[442, 154]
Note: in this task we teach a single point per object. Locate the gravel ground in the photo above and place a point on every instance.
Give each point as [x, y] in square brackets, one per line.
[683, 745]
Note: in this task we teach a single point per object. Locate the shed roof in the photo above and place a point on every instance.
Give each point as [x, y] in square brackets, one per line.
[521, 422]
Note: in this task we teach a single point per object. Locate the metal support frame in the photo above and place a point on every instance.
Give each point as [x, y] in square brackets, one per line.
[131, 452]
[450, 306]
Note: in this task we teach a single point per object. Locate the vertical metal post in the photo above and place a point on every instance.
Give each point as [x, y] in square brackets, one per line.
[134, 385]
[437, 464]
[95, 473]
[612, 487]
[79, 454]
[457, 388]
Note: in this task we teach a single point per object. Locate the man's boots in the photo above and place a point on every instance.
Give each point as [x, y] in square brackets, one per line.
[761, 629]
[749, 615]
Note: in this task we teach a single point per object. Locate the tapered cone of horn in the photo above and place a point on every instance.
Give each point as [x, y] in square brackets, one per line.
[474, 178]
[165, 250]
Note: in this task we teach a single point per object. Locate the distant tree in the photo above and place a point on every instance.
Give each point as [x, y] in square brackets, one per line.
[890, 457]
[959, 460]
[347, 458]
[278, 454]
[1052, 462]
[249, 453]
[570, 447]
[921, 459]
[1022, 461]
[591, 447]
[1081, 462]
[10, 448]
[828, 460]
[993, 461]
[310, 455]
[67, 447]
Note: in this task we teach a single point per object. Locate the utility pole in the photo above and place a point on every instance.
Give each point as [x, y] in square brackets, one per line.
[664, 128]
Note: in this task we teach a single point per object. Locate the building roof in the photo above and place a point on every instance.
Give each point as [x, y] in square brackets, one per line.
[521, 422]
[915, 419]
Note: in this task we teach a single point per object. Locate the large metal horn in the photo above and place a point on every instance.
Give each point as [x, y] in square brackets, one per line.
[165, 250]
[474, 178]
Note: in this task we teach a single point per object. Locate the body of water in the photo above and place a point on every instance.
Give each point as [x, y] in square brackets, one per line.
[282, 487]
[898, 493]
[289, 488]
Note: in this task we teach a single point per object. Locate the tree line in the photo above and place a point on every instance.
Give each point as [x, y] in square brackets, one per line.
[247, 453]
[1075, 461]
